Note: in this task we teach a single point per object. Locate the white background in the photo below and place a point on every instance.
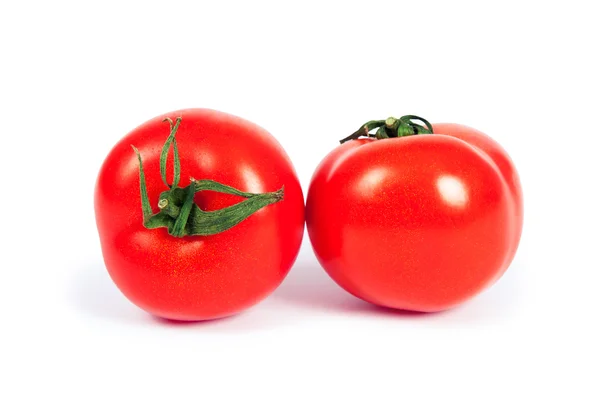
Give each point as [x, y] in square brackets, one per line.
[75, 77]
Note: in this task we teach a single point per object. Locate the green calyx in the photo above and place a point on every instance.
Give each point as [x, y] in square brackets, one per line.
[177, 210]
[392, 127]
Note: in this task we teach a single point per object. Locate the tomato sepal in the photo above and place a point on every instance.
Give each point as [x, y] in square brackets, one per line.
[392, 127]
[178, 212]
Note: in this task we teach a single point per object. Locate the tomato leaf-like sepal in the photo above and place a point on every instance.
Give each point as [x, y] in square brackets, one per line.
[391, 128]
[178, 212]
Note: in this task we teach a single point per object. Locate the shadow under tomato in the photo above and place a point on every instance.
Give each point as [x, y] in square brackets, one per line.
[93, 294]
[308, 286]
[257, 318]
[167, 322]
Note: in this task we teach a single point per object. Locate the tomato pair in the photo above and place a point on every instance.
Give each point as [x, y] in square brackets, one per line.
[421, 222]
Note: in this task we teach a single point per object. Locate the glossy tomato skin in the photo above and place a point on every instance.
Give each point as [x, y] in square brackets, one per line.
[418, 223]
[199, 277]
[502, 160]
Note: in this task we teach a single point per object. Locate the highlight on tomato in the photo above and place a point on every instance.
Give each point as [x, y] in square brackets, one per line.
[212, 237]
[415, 216]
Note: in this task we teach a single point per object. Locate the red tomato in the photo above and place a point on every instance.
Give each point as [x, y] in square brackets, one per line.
[421, 222]
[194, 273]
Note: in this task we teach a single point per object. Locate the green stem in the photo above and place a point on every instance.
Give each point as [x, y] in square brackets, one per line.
[178, 212]
[146, 208]
[391, 128]
[382, 133]
[408, 119]
[184, 213]
[214, 222]
[364, 130]
[164, 154]
[207, 184]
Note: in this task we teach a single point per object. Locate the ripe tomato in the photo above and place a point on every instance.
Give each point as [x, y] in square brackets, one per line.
[211, 250]
[415, 221]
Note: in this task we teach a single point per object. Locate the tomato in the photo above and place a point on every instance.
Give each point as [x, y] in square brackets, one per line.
[414, 220]
[214, 237]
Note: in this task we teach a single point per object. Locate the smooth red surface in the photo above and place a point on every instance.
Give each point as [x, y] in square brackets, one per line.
[196, 277]
[417, 223]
